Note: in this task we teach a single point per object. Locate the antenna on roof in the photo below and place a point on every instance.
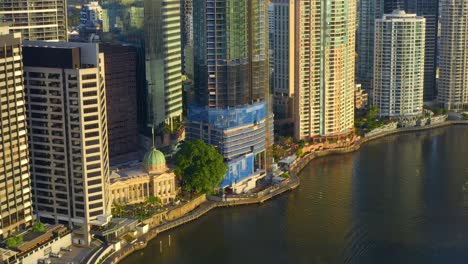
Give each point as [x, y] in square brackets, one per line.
[152, 134]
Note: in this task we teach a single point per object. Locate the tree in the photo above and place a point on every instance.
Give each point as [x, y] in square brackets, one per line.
[200, 166]
[153, 200]
[299, 152]
[39, 227]
[13, 241]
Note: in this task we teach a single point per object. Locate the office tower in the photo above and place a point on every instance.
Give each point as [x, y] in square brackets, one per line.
[163, 61]
[120, 65]
[324, 63]
[15, 186]
[36, 19]
[232, 86]
[453, 80]
[369, 11]
[67, 120]
[283, 90]
[429, 9]
[399, 64]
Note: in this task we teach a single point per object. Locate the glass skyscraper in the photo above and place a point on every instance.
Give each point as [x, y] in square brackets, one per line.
[163, 56]
[232, 81]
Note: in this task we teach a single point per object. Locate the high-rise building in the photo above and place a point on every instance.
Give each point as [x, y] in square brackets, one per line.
[429, 9]
[283, 90]
[67, 120]
[453, 78]
[399, 64]
[391, 5]
[187, 36]
[323, 59]
[15, 187]
[232, 86]
[369, 11]
[36, 19]
[163, 61]
[121, 64]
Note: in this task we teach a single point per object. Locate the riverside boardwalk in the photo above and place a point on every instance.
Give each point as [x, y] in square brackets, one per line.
[204, 208]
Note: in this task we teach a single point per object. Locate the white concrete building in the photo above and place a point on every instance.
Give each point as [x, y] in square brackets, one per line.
[67, 121]
[399, 64]
[453, 75]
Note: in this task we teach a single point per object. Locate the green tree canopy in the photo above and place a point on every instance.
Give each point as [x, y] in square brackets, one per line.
[13, 241]
[39, 227]
[200, 166]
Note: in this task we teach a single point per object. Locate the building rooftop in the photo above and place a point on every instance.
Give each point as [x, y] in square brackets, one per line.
[127, 172]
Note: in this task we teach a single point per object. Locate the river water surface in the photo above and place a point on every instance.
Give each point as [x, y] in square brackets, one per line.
[397, 200]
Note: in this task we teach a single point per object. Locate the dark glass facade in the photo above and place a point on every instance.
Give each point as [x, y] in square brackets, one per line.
[230, 44]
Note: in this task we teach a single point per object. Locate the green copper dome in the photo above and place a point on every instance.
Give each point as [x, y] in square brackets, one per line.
[154, 158]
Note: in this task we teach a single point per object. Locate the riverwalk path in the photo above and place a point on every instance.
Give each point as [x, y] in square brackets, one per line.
[204, 208]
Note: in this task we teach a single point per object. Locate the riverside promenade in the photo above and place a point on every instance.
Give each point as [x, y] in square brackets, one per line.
[260, 197]
[204, 208]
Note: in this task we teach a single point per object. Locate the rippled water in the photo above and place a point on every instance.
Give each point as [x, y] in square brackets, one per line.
[397, 200]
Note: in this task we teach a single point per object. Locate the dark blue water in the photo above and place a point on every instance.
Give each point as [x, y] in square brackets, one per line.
[397, 200]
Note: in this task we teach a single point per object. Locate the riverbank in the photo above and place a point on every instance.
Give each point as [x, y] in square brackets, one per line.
[262, 196]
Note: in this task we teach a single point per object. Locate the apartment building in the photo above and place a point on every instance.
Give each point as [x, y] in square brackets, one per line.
[323, 46]
[453, 80]
[67, 122]
[399, 64]
[43, 20]
[15, 185]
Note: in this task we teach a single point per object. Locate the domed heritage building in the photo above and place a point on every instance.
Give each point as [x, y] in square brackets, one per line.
[135, 183]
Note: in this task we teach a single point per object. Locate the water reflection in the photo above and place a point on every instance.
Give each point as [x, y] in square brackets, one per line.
[397, 200]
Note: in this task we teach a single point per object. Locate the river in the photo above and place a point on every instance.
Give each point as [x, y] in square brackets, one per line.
[397, 200]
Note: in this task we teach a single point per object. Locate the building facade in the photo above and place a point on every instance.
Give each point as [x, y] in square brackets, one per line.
[47, 21]
[369, 11]
[231, 84]
[187, 36]
[91, 12]
[67, 122]
[163, 61]
[429, 9]
[324, 61]
[453, 79]
[399, 64]
[135, 184]
[121, 89]
[283, 91]
[15, 187]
